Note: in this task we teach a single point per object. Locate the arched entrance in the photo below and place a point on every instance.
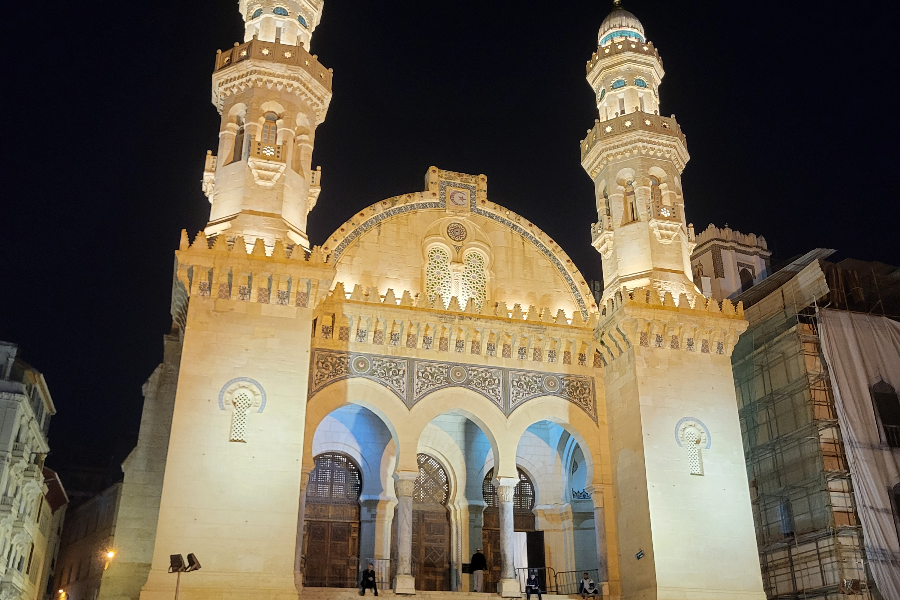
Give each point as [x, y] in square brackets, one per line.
[523, 520]
[430, 526]
[331, 536]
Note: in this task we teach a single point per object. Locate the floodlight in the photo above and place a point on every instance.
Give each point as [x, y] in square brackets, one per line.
[176, 563]
[193, 563]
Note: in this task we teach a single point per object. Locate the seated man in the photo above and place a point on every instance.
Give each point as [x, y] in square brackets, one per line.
[368, 580]
[587, 587]
[532, 586]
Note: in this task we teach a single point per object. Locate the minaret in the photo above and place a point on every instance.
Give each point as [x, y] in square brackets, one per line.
[272, 94]
[684, 522]
[635, 157]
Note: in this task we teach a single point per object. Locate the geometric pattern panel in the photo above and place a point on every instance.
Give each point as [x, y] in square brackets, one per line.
[412, 379]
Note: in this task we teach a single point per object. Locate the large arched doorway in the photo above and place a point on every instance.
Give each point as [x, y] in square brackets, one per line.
[523, 520]
[430, 526]
[331, 536]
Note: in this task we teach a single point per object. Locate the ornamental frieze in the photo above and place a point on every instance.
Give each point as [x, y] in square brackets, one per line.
[413, 379]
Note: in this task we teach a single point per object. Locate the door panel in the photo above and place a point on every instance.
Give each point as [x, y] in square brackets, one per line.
[332, 550]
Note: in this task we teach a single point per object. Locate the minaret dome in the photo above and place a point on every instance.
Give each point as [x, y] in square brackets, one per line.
[620, 24]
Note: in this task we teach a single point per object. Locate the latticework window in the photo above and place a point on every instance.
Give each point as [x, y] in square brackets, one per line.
[474, 281]
[523, 496]
[432, 485]
[437, 275]
[335, 479]
[242, 402]
[692, 442]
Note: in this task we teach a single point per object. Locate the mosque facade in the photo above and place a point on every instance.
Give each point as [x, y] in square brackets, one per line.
[436, 377]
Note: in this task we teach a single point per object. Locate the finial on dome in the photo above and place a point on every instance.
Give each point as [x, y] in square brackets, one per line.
[617, 3]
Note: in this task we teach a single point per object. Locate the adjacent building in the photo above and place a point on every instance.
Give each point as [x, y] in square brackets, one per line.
[87, 548]
[32, 500]
[824, 466]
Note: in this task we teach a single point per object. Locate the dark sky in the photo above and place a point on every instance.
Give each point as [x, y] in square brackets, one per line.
[790, 110]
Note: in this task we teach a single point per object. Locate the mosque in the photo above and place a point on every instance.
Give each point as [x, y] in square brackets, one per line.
[436, 377]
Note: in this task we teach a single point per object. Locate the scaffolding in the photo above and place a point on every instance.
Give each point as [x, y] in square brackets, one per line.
[808, 533]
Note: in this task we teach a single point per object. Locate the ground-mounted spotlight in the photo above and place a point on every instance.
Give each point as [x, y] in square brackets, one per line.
[176, 565]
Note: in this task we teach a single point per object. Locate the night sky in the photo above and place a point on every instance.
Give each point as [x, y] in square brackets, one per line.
[790, 111]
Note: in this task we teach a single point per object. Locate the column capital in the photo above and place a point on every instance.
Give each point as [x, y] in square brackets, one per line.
[405, 483]
[596, 492]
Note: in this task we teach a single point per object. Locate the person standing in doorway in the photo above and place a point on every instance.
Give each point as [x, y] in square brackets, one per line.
[478, 566]
[368, 580]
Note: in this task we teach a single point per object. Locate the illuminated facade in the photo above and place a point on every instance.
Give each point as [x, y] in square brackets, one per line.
[436, 377]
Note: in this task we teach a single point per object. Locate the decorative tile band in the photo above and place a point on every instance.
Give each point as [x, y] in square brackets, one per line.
[412, 379]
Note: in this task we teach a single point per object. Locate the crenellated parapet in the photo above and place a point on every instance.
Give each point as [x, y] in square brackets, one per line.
[633, 135]
[643, 318]
[366, 320]
[229, 270]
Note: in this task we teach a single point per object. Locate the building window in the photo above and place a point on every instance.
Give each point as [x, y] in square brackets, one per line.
[895, 502]
[602, 94]
[746, 279]
[242, 403]
[523, 496]
[280, 11]
[302, 21]
[270, 129]
[630, 206]
[474, 281]
[437, 275]
[432, 485]
[618, 84]
[640, 82]
[257, 13]
[887, 411]
[238, 142]
[655, 192]
[606, 202]
[336, 479]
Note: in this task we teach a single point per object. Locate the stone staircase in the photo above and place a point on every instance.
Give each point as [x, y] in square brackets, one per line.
[311, 593]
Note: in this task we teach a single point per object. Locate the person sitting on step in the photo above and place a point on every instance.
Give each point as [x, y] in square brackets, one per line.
[532, 586]
[368, 581]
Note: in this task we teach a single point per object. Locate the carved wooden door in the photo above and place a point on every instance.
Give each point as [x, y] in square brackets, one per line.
[431, 547]
[331, 525]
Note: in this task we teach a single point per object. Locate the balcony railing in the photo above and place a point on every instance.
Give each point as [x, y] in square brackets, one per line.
[266, 151]
[635, 121]
[275, 52]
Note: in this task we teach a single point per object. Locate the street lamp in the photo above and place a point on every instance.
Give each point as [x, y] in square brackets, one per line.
[108, 555]
[176, 565]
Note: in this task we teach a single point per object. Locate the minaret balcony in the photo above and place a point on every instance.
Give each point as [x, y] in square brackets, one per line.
[267, 151]
[275, 52]
[620, 47]
[629, 123]
[633, 133]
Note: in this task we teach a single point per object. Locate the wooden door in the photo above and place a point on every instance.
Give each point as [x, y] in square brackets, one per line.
[431, 548]
[331, 523]
[332, 545]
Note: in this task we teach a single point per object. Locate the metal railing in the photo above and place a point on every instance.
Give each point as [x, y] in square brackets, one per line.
[546, 576]
[569, 582]
[384, 571]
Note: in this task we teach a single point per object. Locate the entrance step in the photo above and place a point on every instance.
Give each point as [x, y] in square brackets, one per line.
[311, 593]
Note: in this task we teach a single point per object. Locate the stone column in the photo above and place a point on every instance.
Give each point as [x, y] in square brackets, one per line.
[596, 492]
[301, 519]
[405, 483]
[509, 585]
